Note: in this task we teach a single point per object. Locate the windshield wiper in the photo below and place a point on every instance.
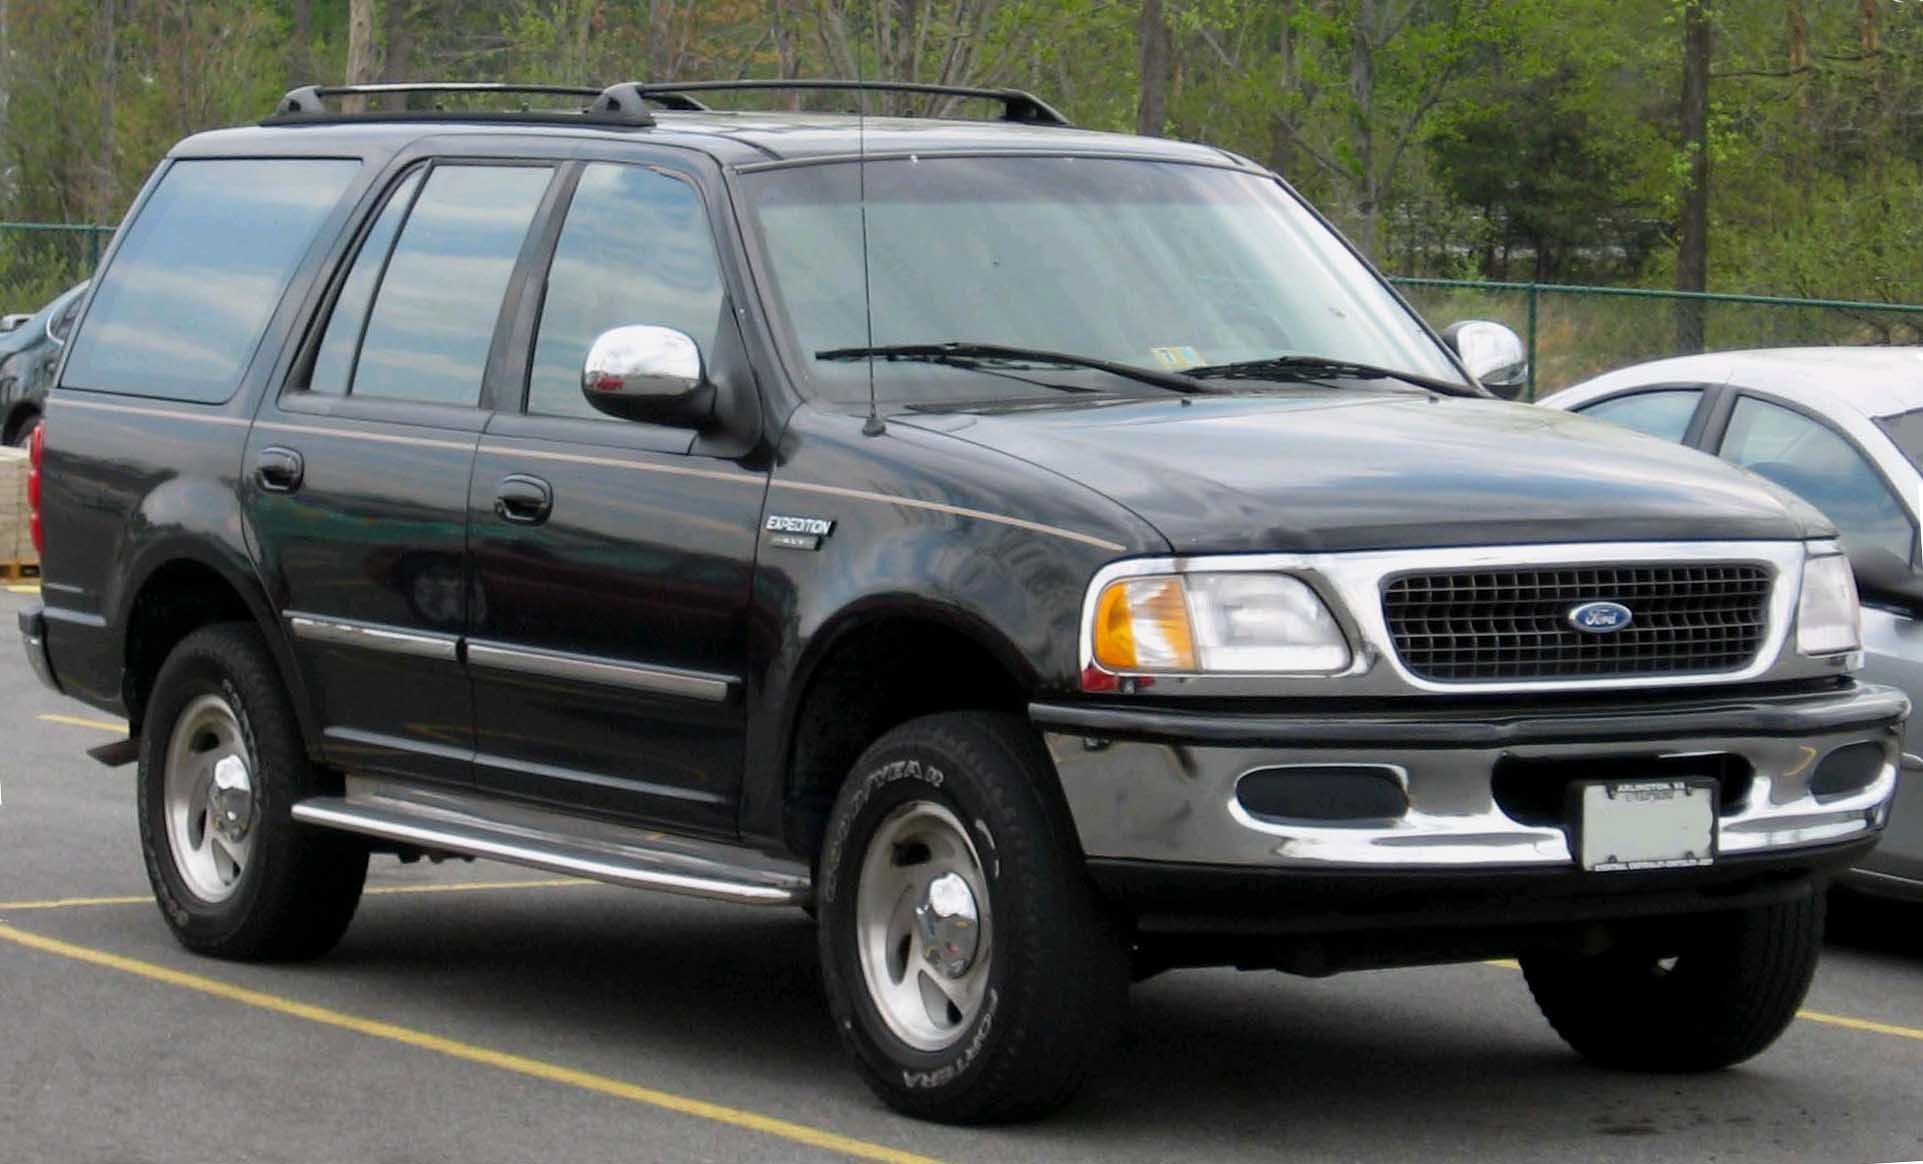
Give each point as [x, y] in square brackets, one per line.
[966, 355]
[1309, 368]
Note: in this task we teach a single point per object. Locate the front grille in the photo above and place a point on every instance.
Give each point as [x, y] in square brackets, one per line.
[1482, 626]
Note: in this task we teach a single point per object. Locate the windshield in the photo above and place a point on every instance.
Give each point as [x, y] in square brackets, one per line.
[1153, 264]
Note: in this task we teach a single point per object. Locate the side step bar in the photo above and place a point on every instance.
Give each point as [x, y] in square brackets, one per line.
[559, 843]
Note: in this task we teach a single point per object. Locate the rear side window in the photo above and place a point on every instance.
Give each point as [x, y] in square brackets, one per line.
[334, 363]
[183, 305]
[1662, 414]
[434, 311]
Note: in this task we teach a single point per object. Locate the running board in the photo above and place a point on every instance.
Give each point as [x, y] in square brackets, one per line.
[560, 843]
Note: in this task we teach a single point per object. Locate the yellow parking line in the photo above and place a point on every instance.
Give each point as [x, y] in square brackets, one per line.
[1857, 1024]
[381, 890]
[69, 902]
[34, 588]
[105, 725]
[1814, 1016]
[468, 1052]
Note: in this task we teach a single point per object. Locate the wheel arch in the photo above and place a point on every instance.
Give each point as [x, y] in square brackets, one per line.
[179, 591]
[874, 666]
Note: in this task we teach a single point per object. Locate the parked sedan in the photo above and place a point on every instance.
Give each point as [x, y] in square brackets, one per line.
[29, 357]
[1843, 427]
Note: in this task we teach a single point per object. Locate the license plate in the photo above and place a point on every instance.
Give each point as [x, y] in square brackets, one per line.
[1646, 824]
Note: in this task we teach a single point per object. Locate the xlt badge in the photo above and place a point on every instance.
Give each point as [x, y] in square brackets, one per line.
[798, 533]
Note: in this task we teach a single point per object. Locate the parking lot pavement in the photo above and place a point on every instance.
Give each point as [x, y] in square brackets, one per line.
[484, 1013]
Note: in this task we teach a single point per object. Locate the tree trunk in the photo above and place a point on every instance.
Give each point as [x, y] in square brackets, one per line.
[1692, 258]
[1362, 91]
[787, 59]
[300, 47]
[1872, 34]
[104, 186]
[398, 64]
[1152, 58]
[360, 51]
[1282, 121]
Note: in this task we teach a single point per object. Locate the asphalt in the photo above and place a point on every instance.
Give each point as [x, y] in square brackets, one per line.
[464, 1019]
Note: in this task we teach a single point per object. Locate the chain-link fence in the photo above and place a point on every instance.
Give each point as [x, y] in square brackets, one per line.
[1575, 332]
[39, 260]
[1572, 332]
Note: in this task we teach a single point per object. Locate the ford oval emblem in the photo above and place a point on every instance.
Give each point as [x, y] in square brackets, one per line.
[1600, 618]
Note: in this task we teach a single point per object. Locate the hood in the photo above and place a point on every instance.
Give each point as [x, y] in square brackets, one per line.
[1328, 469]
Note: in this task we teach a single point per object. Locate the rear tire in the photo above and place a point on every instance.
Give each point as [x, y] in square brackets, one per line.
[968, 964]
[1715, 992]
[221, 766]
[23, 436]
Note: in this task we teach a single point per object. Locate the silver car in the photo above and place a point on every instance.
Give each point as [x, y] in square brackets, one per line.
[1843, 427]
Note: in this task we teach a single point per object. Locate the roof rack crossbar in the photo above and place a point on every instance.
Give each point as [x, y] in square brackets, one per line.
[1017, 105]
[624, 104]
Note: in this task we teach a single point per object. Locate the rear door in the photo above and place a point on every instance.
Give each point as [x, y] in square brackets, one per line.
[356, 474]
[612, 558]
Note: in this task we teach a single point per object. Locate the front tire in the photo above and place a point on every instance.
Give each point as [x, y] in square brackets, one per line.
[1708, 994]
[221, 766]
[968, 964]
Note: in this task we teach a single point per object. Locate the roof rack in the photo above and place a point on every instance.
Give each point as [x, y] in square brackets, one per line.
[624, 104]
[1017, 105]
[621, 104]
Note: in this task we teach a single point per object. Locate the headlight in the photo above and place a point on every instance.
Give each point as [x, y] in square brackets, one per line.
[1827, 614]
[1225, 623]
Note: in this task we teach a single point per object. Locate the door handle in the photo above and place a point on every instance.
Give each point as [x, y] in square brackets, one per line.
[279, 470]
[523, 500]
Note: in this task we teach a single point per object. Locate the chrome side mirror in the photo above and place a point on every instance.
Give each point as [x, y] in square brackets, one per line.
[1493, 354]
[647, 373]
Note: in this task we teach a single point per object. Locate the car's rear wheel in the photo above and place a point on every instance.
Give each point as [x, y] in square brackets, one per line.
[221, 765]
[23, 435]
[968, 963]
[1681, 998]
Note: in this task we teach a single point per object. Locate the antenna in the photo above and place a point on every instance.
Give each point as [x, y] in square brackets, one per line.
[873, 426]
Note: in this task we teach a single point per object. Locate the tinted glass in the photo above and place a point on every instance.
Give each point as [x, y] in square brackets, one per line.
[635, 249]
[61, 324]
[334, 362]
[1152, 264]
[1662, 414]
[1905, 430]
[434, 313]
[182, 307]
[1815, 462]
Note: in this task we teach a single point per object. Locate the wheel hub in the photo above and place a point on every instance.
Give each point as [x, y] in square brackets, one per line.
[231, 799]
[949, 924]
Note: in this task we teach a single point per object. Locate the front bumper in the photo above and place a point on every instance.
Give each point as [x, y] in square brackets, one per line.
[1159, 785]
[33, 637]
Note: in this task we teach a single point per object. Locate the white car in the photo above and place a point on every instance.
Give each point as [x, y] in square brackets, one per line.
[1842, 427]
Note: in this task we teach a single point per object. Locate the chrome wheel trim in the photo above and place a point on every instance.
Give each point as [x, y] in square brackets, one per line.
[924, 959]
[207, 795]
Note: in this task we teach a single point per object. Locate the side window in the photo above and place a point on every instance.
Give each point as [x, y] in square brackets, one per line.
[635, 249]
[434, 311]
[334, 362]
[1664, 413]
[1814, 461]
[61, 325]
[184, 302]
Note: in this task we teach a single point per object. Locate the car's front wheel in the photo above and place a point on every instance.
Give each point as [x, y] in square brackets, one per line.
[967, 961]
[221, 765]
[1691, 997]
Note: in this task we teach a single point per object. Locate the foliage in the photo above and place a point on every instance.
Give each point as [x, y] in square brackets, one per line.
[1495, 138]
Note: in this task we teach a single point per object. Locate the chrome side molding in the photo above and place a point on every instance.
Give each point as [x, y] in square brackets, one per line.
[370, 636]
[696, 685]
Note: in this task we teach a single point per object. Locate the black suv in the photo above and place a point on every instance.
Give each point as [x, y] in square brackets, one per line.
[1052, 557]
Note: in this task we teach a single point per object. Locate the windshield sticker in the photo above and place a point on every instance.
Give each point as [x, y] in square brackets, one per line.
[1177, 358]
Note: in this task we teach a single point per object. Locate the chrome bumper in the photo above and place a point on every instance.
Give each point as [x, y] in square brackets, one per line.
[1161, 786]
[33, 636]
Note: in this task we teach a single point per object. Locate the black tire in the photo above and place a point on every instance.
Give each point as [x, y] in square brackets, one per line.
[1735, 982]
[300, 885]
[23, 436]
[1056, 974]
